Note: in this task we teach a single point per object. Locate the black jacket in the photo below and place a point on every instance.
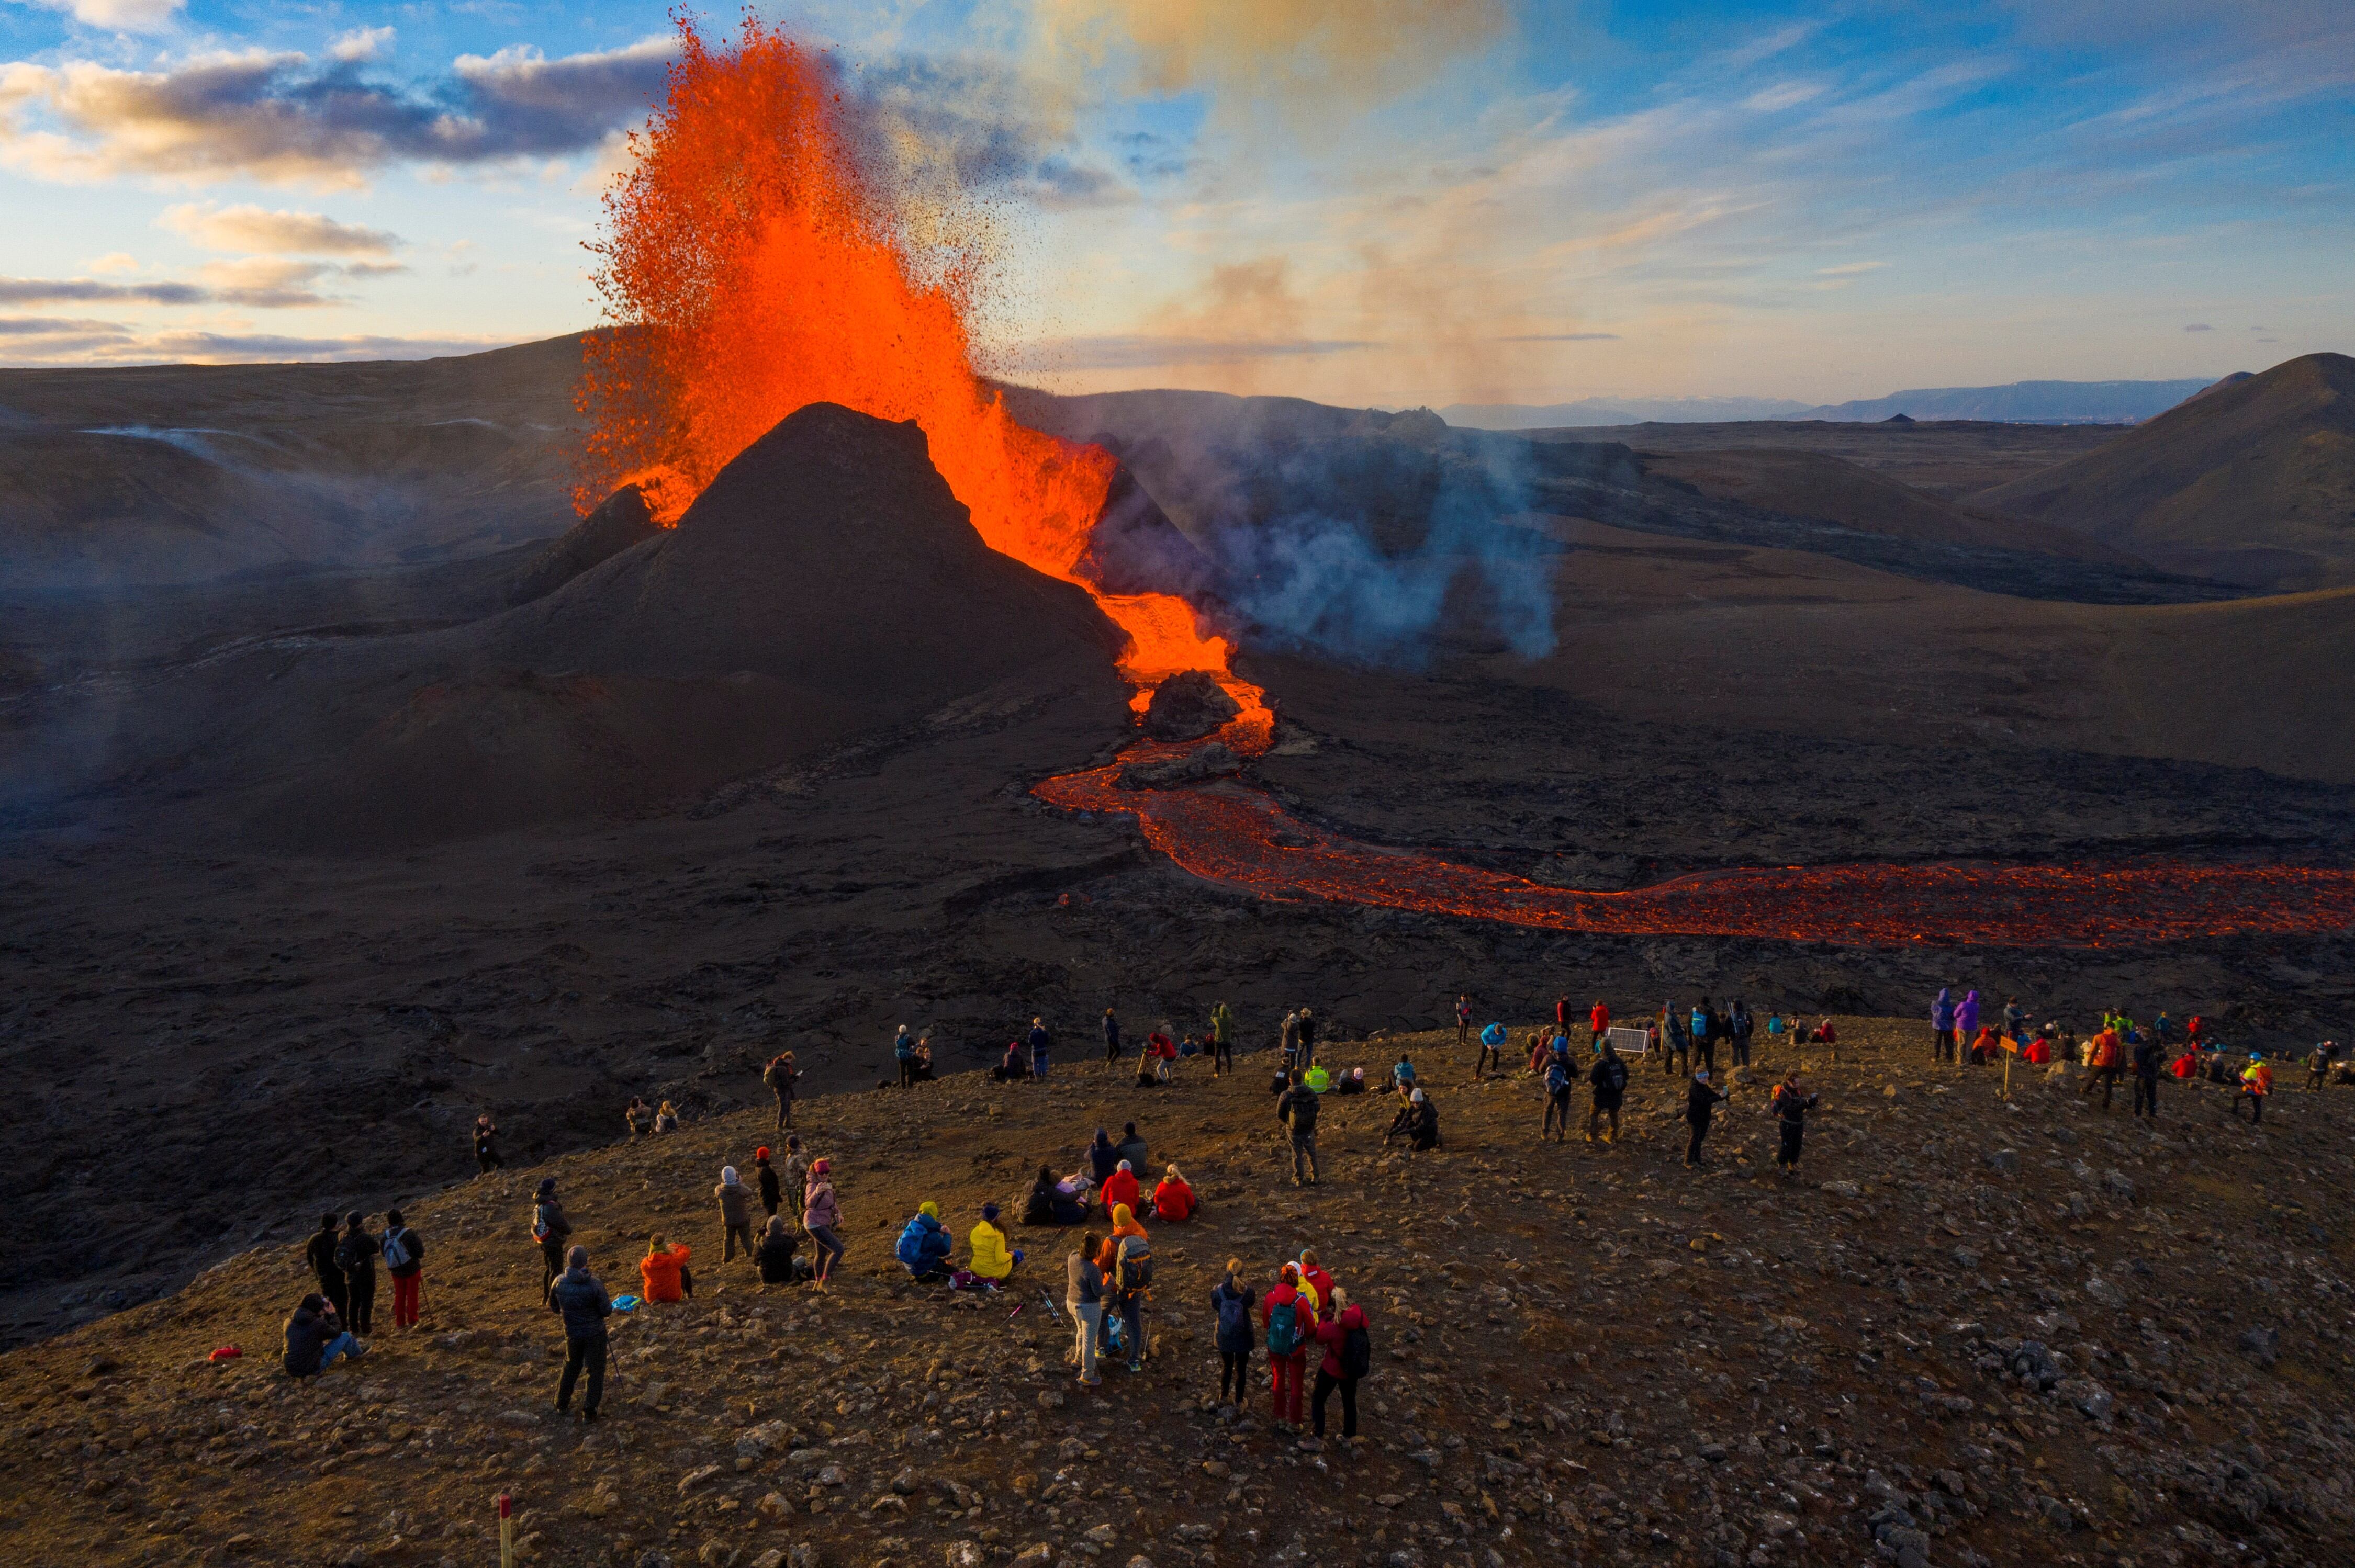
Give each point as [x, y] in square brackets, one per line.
[1298, 1107]
[1793, 1107]
[769, 1193]
[357, 1254]
[307, 1334]
[1608, 1077]
[1700, 1101]
[549, 1212]
[322, 1253]
[583, 1303]
[775, 1256]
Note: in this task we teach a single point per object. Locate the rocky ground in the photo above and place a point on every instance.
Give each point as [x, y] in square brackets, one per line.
[1972, 1331]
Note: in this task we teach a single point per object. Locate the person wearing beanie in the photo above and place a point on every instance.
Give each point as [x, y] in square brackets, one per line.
[355, 1254]
[926, 1244]
[735, 1212]
[822, 1217]
[767, 1176]
[404, 1259]
[663, 1272]
[582, 1303]
[992, 1258]
[1119, 1187]
[552, 1231]
[320, 1255]
[776, 1254]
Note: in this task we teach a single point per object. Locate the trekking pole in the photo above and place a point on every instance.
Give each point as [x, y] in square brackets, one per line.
[507, 1530]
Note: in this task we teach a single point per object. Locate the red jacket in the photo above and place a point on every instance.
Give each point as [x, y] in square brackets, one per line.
[1321, 1283]
[1600, 1017]
[1330, 1335]
[1275, 1297]
[1119, 1187]
[1173, 1201]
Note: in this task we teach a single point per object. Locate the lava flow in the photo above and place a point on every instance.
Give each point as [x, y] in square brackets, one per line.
[1231, 834]
[753, 266]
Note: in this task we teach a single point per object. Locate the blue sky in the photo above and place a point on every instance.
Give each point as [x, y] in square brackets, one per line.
[1364, 201]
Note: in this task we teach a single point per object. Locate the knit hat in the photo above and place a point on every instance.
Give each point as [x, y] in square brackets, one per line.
[1123, 1165]
[762, 1153]
[989, 1210]
[1121, 1216]
[547, 1185]
[929, 1209]
[577, 1258]
[728, 1175]
[821, 1167]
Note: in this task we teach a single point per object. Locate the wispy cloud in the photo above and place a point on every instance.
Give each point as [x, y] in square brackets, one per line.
[119, 16]
[258, 231]
[1561, 337]
[39, 340]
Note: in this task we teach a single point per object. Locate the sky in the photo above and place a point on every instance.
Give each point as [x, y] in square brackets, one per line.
[1384, 201]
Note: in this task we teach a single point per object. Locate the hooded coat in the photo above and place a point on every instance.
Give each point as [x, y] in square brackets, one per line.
[1173, 1201]
[992, 1259]
[735, 1203]
[925, 1245]
[1966, 1016]
[1103, 1157]
[1119, 1187]
[307, 1337]
[1942, 1010]
[1333, 1334]
[583, 1302]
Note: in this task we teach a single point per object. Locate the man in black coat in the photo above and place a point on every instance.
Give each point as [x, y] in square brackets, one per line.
[584, 1306]
[324, 1266]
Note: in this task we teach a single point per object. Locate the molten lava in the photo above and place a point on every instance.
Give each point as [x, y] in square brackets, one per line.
[753, 266]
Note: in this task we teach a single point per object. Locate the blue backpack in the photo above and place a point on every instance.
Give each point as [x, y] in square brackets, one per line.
[1234, 1320]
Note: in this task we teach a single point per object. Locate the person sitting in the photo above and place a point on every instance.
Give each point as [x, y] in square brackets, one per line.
[1319, 1079]
[925, 1245]
[1537, 1061]
[1103, 1157]
[992, 1258]
[2186, 1066]
[1132, 1147]
[1417, 1121]
[1353, 1082]
[663, 1272]
[1824, 1035]
[1173, 1200]
[640, 1116]
[1190, 1046]
[1013, 1067]
[1121, 1187]
[1986, 1049]
[919, 1068]
[775, 1253]
[316, 1339]
[1402, 1077]
[1057, 1203]
[667, 1118]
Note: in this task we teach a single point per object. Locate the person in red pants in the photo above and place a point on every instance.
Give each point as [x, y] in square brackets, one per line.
[404, 1259]
[1290, 1321]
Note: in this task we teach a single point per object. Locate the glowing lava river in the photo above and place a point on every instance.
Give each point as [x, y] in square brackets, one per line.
[1228, 833]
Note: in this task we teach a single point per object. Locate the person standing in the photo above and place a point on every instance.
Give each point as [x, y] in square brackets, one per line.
[1559, 1080]
[1941, 1026]
[640, 1117]
[1463, 1017]
[821, 1218]
[735, 1214]
[2256, 1083]
[2147, 1053]
[1307, 1040]
[1297, 1108]
[551, 1230]
[2103, 1059]
[320, 1255]
[487, 1144]
[1701, 1100]
[404, 1259]
[1676, 1041]
[1598, 1019]
[1112, 1037]
[2015, 1020]
[1492, 1052]
[780, 1076]
[1231, 1302]
[1607, 1084]
[1967, 1019]
[792, 1177]
[766, 1175]
[1083, 1297]
[1041, 1047]
[1289, 1323]
[903, 1051]
[1131, 1279]
[1222, 1039]
[1790, 1107]
[1742, 1026]
[1708, 1028]
[1560, 1014]
[581, 1301]
[355, 1254]
[1349, 1357]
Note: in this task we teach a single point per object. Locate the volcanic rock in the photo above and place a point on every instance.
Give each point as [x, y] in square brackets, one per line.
[1189, 704]
[620, 522]
[1202, 762]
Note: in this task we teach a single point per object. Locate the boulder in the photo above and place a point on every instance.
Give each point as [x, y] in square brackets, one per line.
[1202, 762]
[1189, 704]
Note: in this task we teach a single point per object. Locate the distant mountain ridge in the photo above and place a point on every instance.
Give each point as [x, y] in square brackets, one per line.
[2020, 403]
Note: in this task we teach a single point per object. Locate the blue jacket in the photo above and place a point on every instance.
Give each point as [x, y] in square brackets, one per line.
[582, 1301]
[1493, 1035]
[925, 1245]
[1942, 1011]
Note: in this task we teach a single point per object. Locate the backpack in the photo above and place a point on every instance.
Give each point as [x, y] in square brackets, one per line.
[397, 1251]
[1284, 1328]
[352, 1253]
[904, 1049]
[539, 1229]
[1614, 1076]
[1357, 1353]
[776, 1076]
[1234, 1317]
[1134, 1264]
[1557, 1079]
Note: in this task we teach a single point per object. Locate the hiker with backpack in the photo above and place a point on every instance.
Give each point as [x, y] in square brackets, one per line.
[780, 1076]
[321, 1256]
[772, 1195]
[1132, 1283]
[822, 1217]
[552, 1231]
[1288, 1321]
[582, 1303]
[487, 1144]
[1222, 1039]
[1607, 1086]
[404, 1259]
[735, 1214]
[793, 1175]
[1083, 1285]
[1706, 1028]
[1676, 1041]
[1789, 1106]
[1740, 1025]
[355, 1254]
[1297, 1108]
[1349, 1357]
[903, 1051]
[1231, 1306]
[1558, 1081]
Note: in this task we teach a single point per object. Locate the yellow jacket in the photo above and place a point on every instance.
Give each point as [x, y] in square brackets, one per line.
[990, 1258]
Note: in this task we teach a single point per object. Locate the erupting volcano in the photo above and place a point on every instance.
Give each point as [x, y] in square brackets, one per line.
[754, 264]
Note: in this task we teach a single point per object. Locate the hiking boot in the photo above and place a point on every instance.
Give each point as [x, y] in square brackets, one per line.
[1091, 1382]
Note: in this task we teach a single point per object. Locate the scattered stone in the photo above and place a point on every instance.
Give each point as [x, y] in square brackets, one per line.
[1201, 762]
[2262, 1346]
[696, 1477]
[2003, 1162]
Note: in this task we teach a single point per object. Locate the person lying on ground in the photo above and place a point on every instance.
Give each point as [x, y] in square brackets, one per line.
[926, 1244]
[1173, 1199]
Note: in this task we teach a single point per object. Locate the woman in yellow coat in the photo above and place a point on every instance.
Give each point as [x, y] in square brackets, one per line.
[992, 1259]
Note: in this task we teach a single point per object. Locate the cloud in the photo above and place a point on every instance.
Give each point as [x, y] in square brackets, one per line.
[51, 326]
[264, 283]
[258, 231]
[1849, 268]
[253, 282]
[1137, 351]
[2198, 326]
[65, 290]
[119, 16]
[1781, 95]
[361, 43]
[115, 261]
[1562, 337]
[37, 340]
[1287, 51]
[279, 117]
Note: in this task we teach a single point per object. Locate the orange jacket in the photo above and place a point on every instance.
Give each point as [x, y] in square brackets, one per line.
[2257, 1078]
[659, 1270]
[1110, 1251]
[2105, 1049]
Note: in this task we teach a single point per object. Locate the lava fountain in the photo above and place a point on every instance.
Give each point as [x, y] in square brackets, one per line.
[751, 265]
